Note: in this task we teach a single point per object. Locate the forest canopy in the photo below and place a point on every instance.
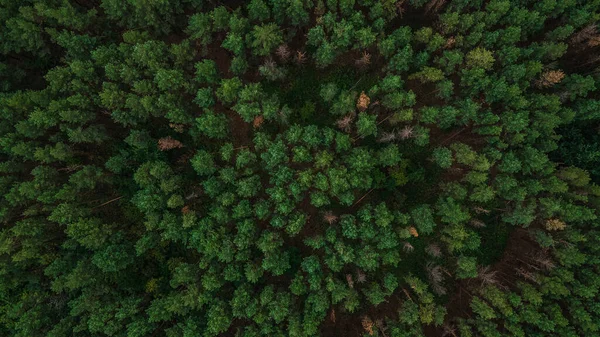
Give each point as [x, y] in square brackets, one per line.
[393, 168]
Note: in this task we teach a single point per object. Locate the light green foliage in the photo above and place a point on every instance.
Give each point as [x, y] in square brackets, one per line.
[329, 92]
[398, 100]
[229, 89]
[481, 309]
[234, 42]
[466, 267]
[389, 156]
[205, 98]
[265, 38]
[451, 212]
[206, 72]
[212, 125]
[345, 103]
[365, 38]
[428, 74]
[574, 176]
[203, 163]
[366, 124]
[325, 55]
[480, 58]
[168, 79]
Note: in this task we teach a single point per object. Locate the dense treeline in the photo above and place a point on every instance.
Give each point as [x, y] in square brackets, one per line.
[394, 168]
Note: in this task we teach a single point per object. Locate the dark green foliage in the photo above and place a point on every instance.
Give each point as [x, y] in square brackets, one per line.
[299, 168]
[443, 157]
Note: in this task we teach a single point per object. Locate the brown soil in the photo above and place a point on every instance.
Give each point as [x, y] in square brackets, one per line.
[220, 55]
[174, 38]
[349, 324]
[426, 94]
[240, 130]
[519, 254]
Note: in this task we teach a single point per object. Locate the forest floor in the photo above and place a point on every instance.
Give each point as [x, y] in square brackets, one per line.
[302, 94]
[518, 258]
